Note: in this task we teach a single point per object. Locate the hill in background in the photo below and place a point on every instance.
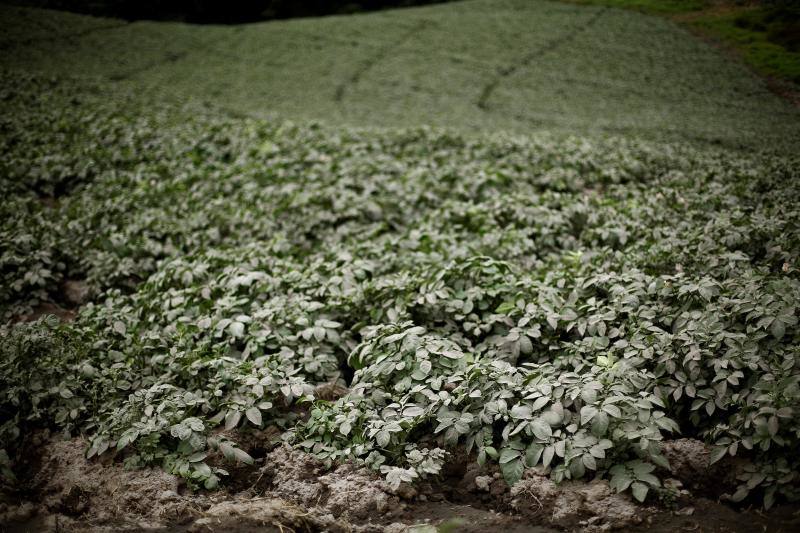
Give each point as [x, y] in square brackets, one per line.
[514, 65]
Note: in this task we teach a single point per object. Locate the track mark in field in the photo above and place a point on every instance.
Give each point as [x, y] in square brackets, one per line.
[169, 57]
[509, 70]
[376, 58]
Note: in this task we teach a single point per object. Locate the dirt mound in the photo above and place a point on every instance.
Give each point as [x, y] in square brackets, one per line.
[690, 462]
[536, 499]
[348, 491]
[592, 506]
[69, 484]
[295, 492]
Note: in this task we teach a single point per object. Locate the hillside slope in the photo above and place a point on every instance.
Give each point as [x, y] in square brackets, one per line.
[513, 65]
[243, 301]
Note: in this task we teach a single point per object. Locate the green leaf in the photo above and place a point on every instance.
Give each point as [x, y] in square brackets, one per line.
[589, 461]
[211, 483]
[227, 450]
[540, 402]
[641, 468]
[772, 425]
[740, 494]
[587, 413]
[639, 491]
[232, 418]
[512, 471]
[254, 416]
[620, 478]
[547, 456]
[382, 438]
[717, 453]
[425, 366]
[413, 411]
[508, 454]
[755, 480]
[521, 412]
[236, 329]
[769, 498]
[242, 456]
[589, 395]
[600, 424]
[196, 457]
[126, 438]
[541, 429]
[650, 479]
[778, 329]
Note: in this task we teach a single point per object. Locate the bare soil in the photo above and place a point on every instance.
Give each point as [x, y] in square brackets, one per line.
[288, 490]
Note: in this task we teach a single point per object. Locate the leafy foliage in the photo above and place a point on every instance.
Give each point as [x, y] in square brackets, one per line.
[567, 303]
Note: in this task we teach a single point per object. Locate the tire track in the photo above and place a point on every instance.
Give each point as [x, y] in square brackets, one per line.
[169, 57]
[376, 58]
[510, 70]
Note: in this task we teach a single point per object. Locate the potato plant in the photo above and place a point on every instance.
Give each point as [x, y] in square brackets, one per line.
[547, 301]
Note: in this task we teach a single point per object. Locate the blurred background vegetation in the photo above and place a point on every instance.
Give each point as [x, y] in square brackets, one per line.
[763, 33]
[219, 11]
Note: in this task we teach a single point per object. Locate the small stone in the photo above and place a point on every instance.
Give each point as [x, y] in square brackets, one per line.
[381, 503]
[168, 495]
[396, 527]
[483, 482]
[406, 491]
[686, 511]
[76, 292]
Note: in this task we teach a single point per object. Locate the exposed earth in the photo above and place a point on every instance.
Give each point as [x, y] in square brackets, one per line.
[288, 490]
